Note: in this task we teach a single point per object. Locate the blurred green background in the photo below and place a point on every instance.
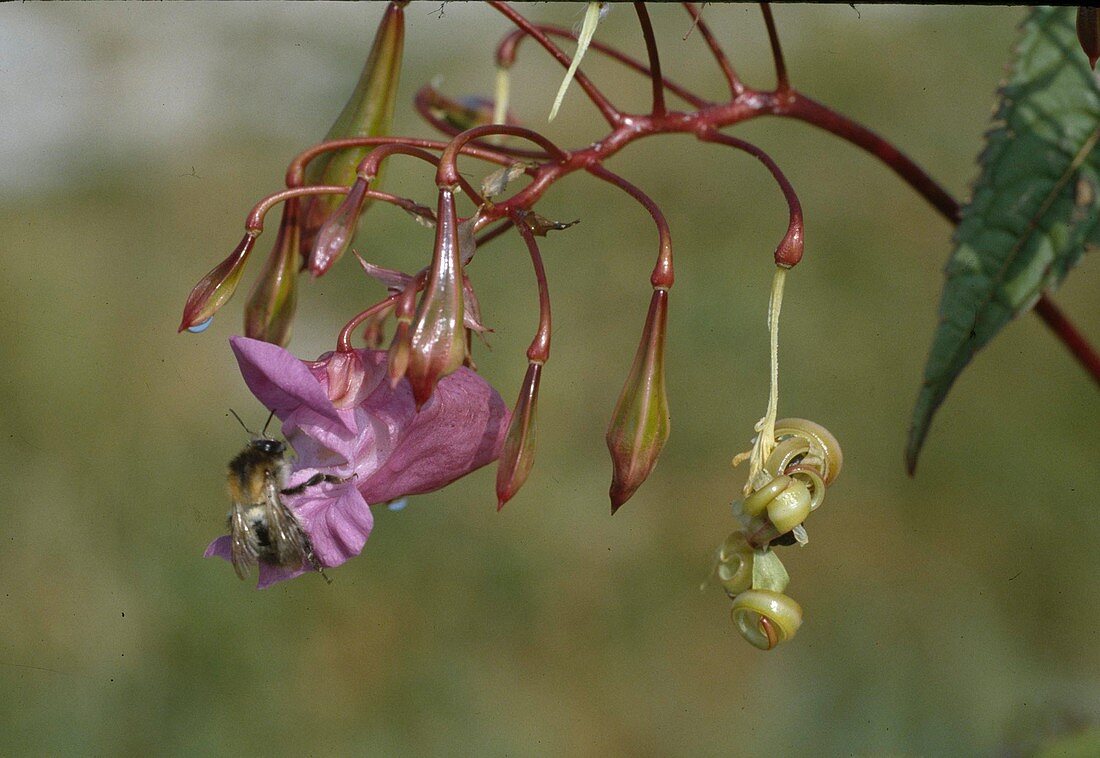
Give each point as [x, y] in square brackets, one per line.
[953, 613]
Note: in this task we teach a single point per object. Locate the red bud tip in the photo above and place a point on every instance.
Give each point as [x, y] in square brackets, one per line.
[639, 424]
[789, 251]
[214, 290]
[518, 454]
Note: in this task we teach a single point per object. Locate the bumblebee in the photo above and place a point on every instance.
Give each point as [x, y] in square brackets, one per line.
[262, 528]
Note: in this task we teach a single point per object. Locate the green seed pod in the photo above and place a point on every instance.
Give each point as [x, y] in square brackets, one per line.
[812, 480]
[755, 503]
[790, 507]
[787, 452]
[823, 448]
[766, 618]
[735, 561]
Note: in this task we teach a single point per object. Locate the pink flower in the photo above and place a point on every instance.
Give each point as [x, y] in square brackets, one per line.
[377, 442]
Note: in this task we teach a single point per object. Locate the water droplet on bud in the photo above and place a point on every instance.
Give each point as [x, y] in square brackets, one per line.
[201, 327]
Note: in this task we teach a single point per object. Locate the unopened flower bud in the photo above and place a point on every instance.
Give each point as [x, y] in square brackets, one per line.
[336, 234]
[438, 335]
[640, 423]
[397, 361]
[345, 377]
[368, 113]
[398, 355]
[214, 290]
[518, 454]
[460, 114]
[271, 304]
[374, 334]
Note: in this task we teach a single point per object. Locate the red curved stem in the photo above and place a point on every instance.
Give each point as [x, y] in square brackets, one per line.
[663, 275]
[447, 173]
[368, 167]
[295, 172]
[800, 107]
[789, 251]
[539, 350]
[781, 82]
[654, 59]
[343, 342]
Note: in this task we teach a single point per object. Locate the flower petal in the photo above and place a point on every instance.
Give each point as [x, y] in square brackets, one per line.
[458, 430]
[336, 519]
[219, 548]
[269, 575]
[394, 280]
[280, 381]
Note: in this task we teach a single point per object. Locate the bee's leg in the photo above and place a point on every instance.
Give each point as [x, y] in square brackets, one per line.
[312, 482]
[316, 564]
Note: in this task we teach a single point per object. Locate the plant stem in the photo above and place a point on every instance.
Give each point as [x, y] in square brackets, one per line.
[654, 60]
[1074, 341]
[811, 112]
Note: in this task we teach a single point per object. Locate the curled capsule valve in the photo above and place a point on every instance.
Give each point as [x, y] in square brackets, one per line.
[765, 617]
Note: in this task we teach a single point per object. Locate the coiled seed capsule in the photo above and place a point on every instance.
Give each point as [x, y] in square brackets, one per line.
[755, 503]
[790, 507]
[735, 564]
[812, 480]
[822, 445]
[766, 618]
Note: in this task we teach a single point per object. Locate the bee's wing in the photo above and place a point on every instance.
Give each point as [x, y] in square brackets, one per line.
[242, 552]
[288, 542]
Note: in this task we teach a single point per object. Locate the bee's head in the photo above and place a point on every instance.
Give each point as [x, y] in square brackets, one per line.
[262, 442]
[269, 446]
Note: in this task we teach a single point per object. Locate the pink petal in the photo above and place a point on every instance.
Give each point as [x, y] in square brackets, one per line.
[269, 575]
[459, 430]
[337, 520]
[394, 280]
[219, 548]
[280, 381]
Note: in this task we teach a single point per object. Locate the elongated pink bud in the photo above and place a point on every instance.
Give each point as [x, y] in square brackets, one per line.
[214, 290]
[438, 335]
[336, 235]
[368, 113]
[269, 313]
[640, 423]
[518, 453]
[398, 357]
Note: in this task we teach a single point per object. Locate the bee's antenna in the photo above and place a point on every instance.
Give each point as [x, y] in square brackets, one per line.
[266, 423]
[250, 432]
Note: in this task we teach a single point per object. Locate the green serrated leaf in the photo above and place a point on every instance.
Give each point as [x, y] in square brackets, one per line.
[1034, 206]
